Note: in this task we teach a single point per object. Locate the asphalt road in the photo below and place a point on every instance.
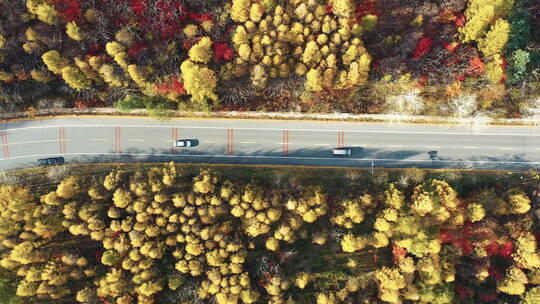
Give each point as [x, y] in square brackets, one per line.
[103, 139]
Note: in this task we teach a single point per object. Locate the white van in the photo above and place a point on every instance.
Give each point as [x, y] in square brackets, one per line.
[341, 152]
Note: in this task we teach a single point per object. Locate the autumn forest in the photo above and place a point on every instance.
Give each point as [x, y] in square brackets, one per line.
[206, 234]
[185, 234]
[432, 57]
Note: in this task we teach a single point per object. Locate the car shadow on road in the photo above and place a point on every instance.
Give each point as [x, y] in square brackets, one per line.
[506, 162]
[360, 157]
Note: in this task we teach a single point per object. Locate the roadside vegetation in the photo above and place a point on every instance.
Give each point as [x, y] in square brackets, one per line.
[189, 234]
[465, 58]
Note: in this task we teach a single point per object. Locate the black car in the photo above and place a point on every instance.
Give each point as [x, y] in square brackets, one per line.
[51, 161]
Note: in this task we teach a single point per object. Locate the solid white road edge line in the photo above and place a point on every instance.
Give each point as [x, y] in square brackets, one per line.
[281, 157]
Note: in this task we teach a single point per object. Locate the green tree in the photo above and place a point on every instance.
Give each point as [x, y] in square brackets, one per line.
[110, 258]
[8, 289]
[518, 66]
[436, 294]
[520, 33]
[369, 22]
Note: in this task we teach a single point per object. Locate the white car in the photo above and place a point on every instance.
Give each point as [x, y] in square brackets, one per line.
[341, 152]
[184, 143]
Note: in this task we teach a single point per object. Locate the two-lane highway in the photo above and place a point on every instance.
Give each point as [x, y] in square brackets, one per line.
[103, 139]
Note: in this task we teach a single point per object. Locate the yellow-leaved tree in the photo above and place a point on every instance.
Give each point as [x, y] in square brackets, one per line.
[75, 78]
[240, 10]
[69, 188]
[74, 31]
[296, 37]
[201, 51]
[494, 69]
[54, 62]
[199, 81]
[478, 18]
[137, 74]
[44, 11]
[517, 202]
[301, 280]
[313, 81]
[495, 40]
[351, 243]
[344, 8]
[514, 282]
[259, 77]
[390, 283]
[350, 214]
[480, 14]
[256, 12]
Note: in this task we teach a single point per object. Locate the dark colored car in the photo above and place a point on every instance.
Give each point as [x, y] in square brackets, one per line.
[51, 161]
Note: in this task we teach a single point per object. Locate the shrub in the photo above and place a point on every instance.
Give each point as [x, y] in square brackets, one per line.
[518, 66]
[130, 102]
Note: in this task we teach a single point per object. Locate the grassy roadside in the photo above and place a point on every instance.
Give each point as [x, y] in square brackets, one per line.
[338, 181]
[270, 116]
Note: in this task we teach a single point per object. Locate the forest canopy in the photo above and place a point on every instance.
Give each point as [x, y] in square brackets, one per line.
[355, 56]
[166, 234]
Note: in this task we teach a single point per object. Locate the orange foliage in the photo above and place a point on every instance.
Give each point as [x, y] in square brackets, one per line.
[476, 67]
[447, 16]
[453, 89]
